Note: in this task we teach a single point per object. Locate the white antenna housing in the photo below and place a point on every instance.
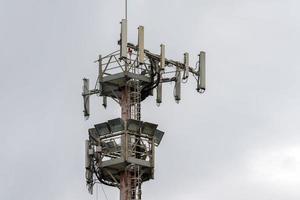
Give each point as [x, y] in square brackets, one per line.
[162, 57]
[124, 38]
[186, 65]
[141, 53]
[201, 73]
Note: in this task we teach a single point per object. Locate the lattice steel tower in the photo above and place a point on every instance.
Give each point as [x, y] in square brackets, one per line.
[121, 152]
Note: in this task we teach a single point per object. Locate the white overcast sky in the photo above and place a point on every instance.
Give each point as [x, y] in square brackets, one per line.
[238, 141]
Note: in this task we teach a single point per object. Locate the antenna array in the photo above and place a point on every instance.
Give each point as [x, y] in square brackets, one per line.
[120, 152]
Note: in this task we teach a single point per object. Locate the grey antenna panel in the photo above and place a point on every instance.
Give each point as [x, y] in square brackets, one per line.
[86, 98]
[149, 128]
[102, 129]
[177, 87]
[104, 103]
[159, 93]
[134, 125]
[158, 135]
[116, 125]
[94, 135]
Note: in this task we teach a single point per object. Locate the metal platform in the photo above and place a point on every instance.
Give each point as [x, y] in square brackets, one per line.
[117, 144]
[111, 85]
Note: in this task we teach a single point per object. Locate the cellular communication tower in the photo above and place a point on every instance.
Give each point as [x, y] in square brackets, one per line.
[121, 152]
